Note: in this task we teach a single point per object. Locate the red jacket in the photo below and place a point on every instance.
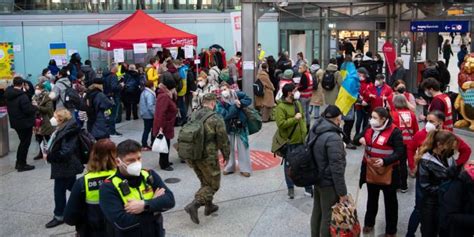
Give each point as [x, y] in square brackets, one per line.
[442, 103]
[409, 125]
[378, 101]
[420, 137]
[165, 114]
[363, 88]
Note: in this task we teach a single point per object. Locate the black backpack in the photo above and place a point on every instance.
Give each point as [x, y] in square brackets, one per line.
[315, 81]
[90, 109]
[302, 167]
[86, 141]
[328, 82]
[71, 99]
[258, 88]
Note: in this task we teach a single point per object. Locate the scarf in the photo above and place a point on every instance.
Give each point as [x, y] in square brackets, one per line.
[378, 130]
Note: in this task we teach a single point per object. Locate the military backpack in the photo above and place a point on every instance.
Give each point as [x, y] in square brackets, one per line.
[191, 138]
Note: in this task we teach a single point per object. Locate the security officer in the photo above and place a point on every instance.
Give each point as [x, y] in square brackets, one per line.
[207, 169]
[133, 198]
[82, 209]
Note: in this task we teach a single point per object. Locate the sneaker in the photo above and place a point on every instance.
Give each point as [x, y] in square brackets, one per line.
[26, 167]
[169, 168]
[350, 146]
[291, 193]
[146, 148]
[308, 193]
[245, 174]
[404, 190]
[227, 172]
[53, 223]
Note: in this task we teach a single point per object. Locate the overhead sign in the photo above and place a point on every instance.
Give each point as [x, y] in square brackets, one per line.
[439, 26]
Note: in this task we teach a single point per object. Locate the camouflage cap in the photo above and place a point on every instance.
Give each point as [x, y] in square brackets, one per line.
[209, 97]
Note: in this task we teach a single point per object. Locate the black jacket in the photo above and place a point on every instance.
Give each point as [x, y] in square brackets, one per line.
[20, 110]
[432, 172]
[148, 223]
[457, 207]
[399, 153]
[330, 155]
[64, 152]
[89, 74]
[88, 218]
[97, 124]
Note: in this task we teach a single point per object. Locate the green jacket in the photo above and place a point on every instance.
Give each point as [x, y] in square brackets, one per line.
[215, 135]
[285, 120]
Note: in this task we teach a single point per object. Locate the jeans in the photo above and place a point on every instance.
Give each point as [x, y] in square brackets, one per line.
[289, 182]
[415, 216]
[324, 199]
[25, 142]
[391, 206]
[348, 125]
[146, 132]
[362, 120]
[306, 107]
[316, 110]
[114, 115]
[164, 157]
[61, 185]
[182, 109]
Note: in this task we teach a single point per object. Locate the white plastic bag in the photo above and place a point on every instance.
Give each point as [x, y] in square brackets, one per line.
[160, 145]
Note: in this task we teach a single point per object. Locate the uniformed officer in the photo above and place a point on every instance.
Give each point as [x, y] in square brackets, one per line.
[133, 198]
[207, 169]
[82, 209]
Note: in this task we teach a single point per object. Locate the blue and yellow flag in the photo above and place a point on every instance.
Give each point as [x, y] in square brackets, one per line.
[349, 91]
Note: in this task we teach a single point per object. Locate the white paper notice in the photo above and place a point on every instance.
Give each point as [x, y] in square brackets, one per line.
[119, 56]
[17, 48]
[188, 51]
[94, 56]
[156, 45]
[139, 48]
[197, 61]
[248, 65]
[71, 52]
[406, 61]
[174, 52]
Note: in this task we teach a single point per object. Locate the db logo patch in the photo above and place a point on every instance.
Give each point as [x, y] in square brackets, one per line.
[381, 140]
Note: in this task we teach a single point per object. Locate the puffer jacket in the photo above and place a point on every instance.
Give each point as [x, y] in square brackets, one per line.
[98, 123]
[21, 112]
[328, 150]
[147, 104]
[58, 93]
[63, 154]
[285, 120]
[432, 172]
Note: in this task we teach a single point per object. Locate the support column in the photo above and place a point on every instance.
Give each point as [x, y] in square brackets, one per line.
[432, 46]
[324, 48]
[373, 42]
[249, 43]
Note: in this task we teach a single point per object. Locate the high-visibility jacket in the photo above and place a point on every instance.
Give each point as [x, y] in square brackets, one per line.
[448, 111]
[143, 192]
[378, 147]
[92, 182]
[406, 121]
[152, 75]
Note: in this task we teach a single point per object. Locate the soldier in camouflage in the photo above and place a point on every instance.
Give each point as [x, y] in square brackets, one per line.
[208, 169]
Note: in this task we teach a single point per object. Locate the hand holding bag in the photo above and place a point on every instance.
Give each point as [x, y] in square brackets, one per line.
[160, 145]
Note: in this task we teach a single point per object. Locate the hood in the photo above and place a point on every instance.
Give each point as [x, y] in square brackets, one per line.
[86, 68]
[332, 67]
[133, 73]
[12, 93]
[323, 125]
[64, 80]
[365, 58]
[314, 68]
[94, 89]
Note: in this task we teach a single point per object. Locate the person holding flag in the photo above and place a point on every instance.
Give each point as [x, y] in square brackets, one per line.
[348, 94]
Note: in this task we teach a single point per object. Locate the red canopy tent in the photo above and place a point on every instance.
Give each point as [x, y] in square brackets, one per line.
[140, 28]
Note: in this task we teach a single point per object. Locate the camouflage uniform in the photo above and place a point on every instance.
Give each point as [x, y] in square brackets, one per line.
[207, 169]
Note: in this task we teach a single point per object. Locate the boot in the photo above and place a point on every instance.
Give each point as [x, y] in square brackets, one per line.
[210, 208]
[192, 210]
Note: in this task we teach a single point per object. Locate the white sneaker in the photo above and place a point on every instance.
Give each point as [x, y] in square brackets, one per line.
[308, 194]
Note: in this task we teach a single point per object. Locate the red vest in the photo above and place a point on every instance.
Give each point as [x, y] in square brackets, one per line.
[448, 111]
[407, 125]
[390, 100]
[378, 148]
[308, 92]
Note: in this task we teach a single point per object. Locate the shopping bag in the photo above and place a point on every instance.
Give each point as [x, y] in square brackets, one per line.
[160, 145]
[344, 222]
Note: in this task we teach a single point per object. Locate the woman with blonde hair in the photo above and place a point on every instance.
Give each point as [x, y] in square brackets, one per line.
[436, 165]
[203, 87]
[83, 209]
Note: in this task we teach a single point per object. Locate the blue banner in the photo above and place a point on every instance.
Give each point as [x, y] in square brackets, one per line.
[439, 26]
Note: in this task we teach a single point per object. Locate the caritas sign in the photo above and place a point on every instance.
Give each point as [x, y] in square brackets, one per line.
[182, 42]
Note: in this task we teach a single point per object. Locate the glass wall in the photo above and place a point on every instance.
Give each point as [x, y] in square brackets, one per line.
[114, 6]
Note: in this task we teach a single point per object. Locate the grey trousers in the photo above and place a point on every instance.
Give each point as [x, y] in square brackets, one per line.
[306, 107]
[243, 153]
[324, 199]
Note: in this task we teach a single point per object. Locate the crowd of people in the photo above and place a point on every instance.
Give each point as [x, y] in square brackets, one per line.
[117, 197]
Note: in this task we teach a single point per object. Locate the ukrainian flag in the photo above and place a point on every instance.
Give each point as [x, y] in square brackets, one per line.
[349, 91]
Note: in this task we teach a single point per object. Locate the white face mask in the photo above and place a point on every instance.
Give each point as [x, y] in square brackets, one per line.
[54, 122]
[374, 123]
[297, 95]
[225, 94]
[378, 83]
[49, 75]
[430, 127]
[38, 92]
[201, 83]
[134, 168]
[427, 93]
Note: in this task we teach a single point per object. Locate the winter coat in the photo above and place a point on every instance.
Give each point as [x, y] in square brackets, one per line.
[457, 207]
[98, 127]
[89, 74]
[21, 112]
[233, 73]
[379, 100]
[268, 98]
[131, 90]
[152, 75]
[59, 92]
[112, 87]
[147, 103]
[45, 112]
[432, 172]
[285, 120]
[200, 92]
[330, 155]
[54, 69]
[371, 66]
[45, 82]
[231, 112]
[447, 51]
[317, 99]
[213, 77]
[331, 96]
[63, 154]
[399, 74]
[165, 113]
[461, 55]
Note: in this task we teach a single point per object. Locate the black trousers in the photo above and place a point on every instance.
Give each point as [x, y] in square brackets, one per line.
[25, 142]
[404, 172]
[429, 216]
[391, 206]
[131, 108]
[164, 157]
[347, 129]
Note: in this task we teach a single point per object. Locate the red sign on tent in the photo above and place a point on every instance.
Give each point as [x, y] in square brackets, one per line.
[140, 28]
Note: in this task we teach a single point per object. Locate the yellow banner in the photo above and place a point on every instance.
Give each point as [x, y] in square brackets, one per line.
[7, 61]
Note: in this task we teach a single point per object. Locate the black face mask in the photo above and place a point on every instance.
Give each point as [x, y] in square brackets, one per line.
[401, 90]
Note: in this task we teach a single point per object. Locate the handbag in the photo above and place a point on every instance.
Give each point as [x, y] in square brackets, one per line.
[344, 221]
[279, 142]
[378, 175]
[160, 145]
